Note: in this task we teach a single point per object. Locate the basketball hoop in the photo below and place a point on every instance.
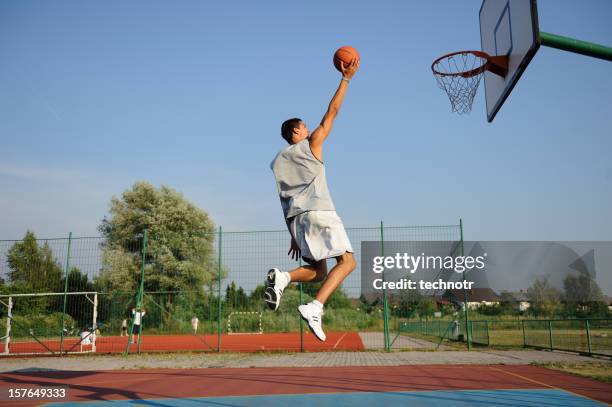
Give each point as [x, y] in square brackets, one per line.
[459, 74]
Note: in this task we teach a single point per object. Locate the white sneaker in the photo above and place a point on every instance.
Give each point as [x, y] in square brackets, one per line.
[276, 281]
[313, 314]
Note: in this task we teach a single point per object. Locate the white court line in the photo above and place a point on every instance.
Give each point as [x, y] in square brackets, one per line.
[341, 338]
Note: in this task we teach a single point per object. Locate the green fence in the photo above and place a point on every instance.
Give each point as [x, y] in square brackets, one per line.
[82, 294]
[589, 336]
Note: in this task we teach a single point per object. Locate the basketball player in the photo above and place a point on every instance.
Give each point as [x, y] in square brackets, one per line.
[317, 233]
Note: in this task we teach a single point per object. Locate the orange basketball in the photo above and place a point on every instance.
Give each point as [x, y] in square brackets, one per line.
[346, 55]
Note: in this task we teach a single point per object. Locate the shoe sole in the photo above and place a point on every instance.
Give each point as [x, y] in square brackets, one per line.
[309, 327]
[269, 294]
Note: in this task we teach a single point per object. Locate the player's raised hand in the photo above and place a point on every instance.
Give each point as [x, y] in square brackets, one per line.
[349, 70]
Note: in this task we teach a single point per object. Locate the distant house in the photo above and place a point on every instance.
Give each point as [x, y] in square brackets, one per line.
[519, 300]
[476, 297]
[441, 301]
[608, 301]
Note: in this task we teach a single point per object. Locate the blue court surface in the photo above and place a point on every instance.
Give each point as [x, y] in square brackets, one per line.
[440, 398]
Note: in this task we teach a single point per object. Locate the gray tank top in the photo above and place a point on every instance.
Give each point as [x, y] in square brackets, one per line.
[300, 180]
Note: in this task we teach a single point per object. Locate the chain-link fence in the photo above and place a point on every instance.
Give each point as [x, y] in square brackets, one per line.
[584, 335]
[89, 294]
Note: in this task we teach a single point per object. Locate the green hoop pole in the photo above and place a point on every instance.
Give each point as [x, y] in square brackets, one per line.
[576, 46]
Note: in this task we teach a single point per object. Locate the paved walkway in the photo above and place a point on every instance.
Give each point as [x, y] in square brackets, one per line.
[213, 360]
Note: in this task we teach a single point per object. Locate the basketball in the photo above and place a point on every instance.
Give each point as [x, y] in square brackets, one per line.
[346, 55]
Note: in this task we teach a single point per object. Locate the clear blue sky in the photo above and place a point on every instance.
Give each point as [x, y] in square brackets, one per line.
[95, 96]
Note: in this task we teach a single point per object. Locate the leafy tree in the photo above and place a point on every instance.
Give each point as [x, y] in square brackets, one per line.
[545, 299]
[77, 281]
[32, 266]
[79, 307]
[582, 295]
[409, 301]
[507, 304]
[581, 289]
[236, 297]
[257, 294]
[427, 307]
[364, 304]
[180, 252]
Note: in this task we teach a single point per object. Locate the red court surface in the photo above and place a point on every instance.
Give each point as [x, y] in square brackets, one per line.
[215, 382]
[229, 343]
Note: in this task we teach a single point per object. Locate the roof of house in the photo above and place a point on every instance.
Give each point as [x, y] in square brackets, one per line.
[473, 295]
[519, 296]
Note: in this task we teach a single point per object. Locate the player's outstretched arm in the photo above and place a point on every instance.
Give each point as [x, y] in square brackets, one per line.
[320, 134]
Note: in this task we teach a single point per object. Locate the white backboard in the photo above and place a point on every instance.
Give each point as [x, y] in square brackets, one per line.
[507, 27]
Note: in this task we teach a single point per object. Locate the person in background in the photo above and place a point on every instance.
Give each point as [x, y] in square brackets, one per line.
[137, 315]
[194, 324]
[124, 325]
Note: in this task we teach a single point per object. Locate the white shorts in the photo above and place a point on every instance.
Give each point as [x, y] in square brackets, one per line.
[320, 235]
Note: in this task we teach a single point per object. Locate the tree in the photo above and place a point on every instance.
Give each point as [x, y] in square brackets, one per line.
[364, 304]
[582, 294]
[77, 281]
[581, 289]
[180, 252]
[508, 304]
[33, 267]
[545, 299]
[236, 298]
[427, 307]
[79, 307]
[409, 301]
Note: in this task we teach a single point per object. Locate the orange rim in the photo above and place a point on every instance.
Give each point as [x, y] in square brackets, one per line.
[463, 74]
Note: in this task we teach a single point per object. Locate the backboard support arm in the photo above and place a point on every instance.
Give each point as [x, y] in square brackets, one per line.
[576, 46]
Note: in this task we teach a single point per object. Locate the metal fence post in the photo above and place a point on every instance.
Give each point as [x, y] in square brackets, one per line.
[9, 317]
[219, 314]
[465, 302]
[550, 334]
[385, 304]
[65, 292]
[524, 336]
[300, 319]
[588, 332]
[141, 293]
[95, 321]
[138, 300]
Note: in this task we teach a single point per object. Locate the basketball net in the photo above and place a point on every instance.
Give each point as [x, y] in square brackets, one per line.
[459, 75]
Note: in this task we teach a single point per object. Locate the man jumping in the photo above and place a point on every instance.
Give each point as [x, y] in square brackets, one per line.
[317, 233]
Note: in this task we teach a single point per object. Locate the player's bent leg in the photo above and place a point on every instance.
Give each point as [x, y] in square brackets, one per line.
[277, 281]
[313, 311]
[315, 272]
[345, 264]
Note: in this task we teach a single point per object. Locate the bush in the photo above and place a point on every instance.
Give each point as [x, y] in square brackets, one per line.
[43, 326]
[347, 319]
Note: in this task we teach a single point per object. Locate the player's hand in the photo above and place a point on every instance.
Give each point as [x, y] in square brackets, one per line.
[294, 250]
[349, 70]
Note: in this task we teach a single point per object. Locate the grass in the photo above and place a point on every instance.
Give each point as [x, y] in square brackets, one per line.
[504, 335]
[446, 344]
[601, 371]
